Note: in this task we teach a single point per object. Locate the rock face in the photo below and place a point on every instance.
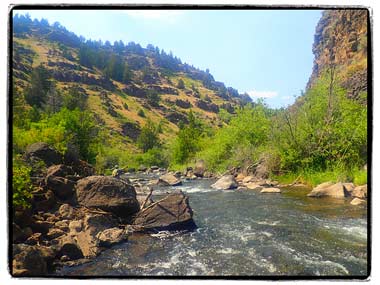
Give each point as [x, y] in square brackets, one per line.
[271, 190]
[199, 168]
[109, 194]
[172, 213]
[360, 191]
[169, 179]
[41, 151]
[225, 182]
[329, 189]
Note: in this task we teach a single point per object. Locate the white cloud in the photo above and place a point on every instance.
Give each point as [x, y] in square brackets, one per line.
[162, 15]
[262, 94]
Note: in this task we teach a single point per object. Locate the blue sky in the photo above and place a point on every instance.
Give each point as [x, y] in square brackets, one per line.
[267, 53]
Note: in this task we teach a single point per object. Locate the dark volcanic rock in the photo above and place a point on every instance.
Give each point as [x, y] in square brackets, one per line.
[176, 118]
[109, 194]
[62, 187]
[31, 260]
[43, 152]
[183, 104]
[131, 130]
[210, 107]
[172, 213]
[59, 170]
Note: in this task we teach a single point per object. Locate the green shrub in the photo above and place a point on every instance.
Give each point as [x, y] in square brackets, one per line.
[21, 183]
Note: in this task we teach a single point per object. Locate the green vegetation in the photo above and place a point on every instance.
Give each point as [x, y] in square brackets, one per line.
[322, 137]
[21, 183]
[148, 138]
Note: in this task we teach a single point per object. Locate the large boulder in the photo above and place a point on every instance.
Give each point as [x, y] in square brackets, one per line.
[169, 179]
[360, 191]
[200, 168]
[171, 213]
[329, 189]
[261, 171]
[41, 151]
[43, 201]
[31, 260]
[225, 182]
[62, 187]
[109, 194]
[59, 170]
[86, 236]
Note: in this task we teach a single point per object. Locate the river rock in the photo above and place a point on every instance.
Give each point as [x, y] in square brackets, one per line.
[62, 187]
[66, 211]
[240, 177]
[31, 260]
[87, 239]
[225, 182]
[43, 201]
[169, 179]
[41, 151]
[200, 168]
[261, 171]
[329, 189]
[69, 247]
[249, 179]
[60, 170]
[111, 236]
[54, 233]
[357, 201]
[171, 213]
[109, 194]
[360, 191]
[253, 186]
[62, 225]
[271, 190]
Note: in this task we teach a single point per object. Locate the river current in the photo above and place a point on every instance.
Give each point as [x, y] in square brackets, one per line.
[245, 233]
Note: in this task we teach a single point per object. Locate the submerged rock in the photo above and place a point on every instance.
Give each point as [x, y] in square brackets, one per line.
[171, 213]
[225, 182]
[329, 189]
[357, 201]
[271, 190]
[109, 194]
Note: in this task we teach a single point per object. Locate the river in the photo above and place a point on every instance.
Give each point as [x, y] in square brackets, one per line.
[245, 233]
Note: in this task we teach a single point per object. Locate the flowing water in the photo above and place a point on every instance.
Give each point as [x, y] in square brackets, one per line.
[246, 233]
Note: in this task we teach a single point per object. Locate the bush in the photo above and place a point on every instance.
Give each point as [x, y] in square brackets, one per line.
[141, 113]
[21, 183]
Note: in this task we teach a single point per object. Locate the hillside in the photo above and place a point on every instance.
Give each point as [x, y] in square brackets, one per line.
[125, 85]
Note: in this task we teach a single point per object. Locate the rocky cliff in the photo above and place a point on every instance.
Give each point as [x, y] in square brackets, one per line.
[340, 42]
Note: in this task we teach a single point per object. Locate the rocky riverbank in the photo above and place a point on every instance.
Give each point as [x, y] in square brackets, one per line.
[76, 214]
